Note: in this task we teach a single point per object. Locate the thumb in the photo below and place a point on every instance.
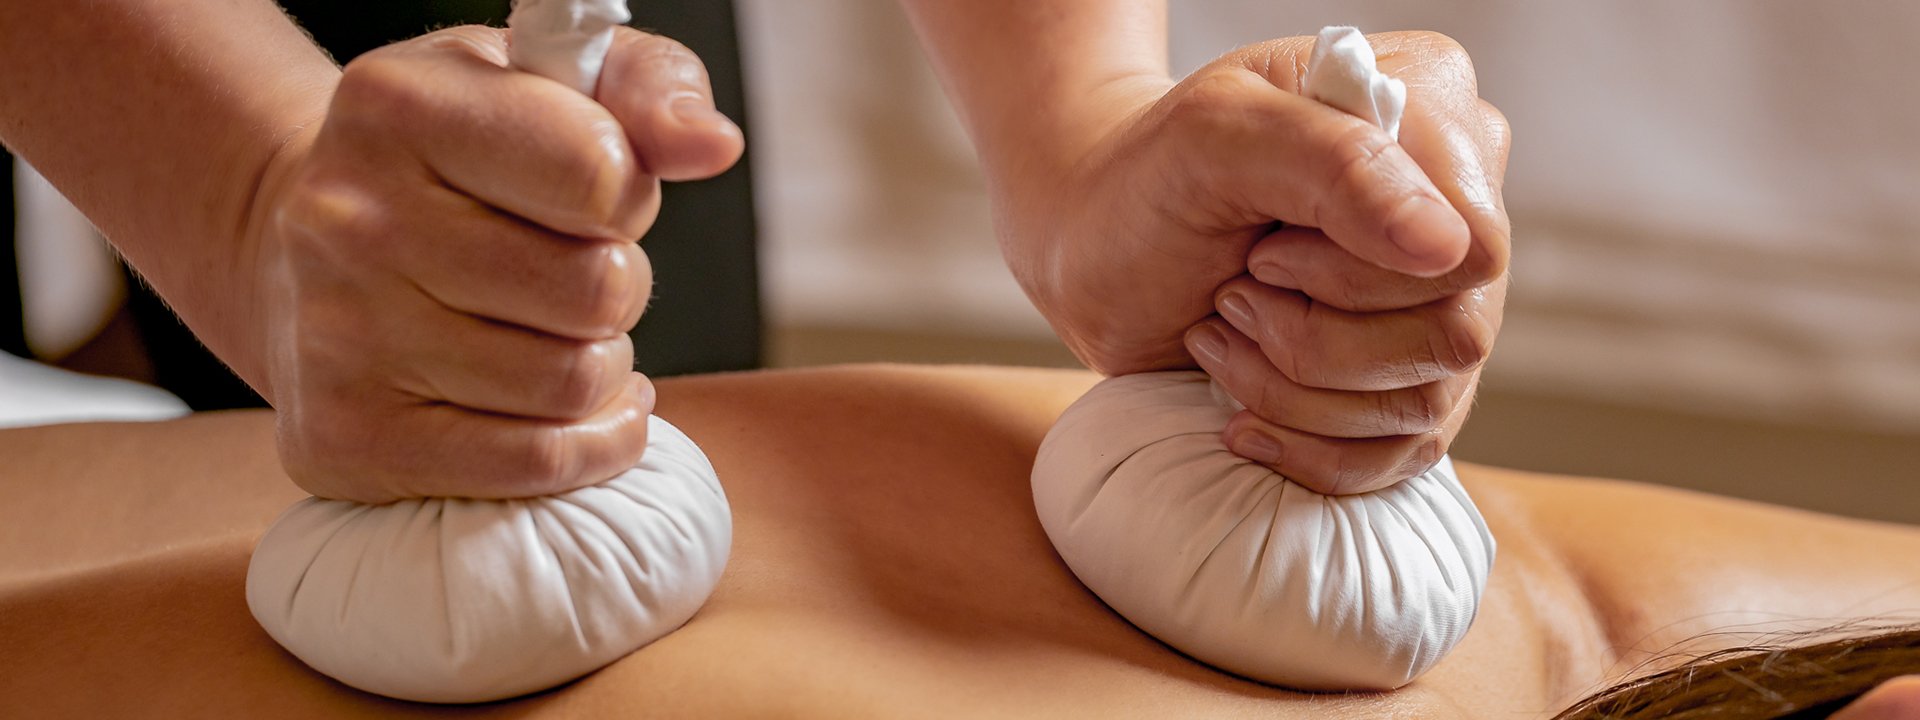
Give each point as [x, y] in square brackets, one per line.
[659, 91]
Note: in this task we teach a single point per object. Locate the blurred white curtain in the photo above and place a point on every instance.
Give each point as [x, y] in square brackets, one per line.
[873, 210]
[1717, 203]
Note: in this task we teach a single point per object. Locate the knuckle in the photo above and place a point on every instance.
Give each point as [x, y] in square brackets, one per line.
[665, 51]
[377, 88]
[1346, 290]
[1273, 395]
[1497, 125]
[1353, 157]
[1350, 469]
[608, 305]
[328, 217]
[1443, 46]
[1413, 410]
[1487, 261]
[576, 388]
[1426, 453]
[1373, 464]
[1296, 345]
[545, 461]
[596, 177]
[1448, 56]
[1437, 402]
[1293, 362]
[1211, 97]
[1466, 339]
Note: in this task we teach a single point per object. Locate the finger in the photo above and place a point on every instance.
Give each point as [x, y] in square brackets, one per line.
[1460, 140]
[499, 368]
[1289, 158]
[522, 143]
[1321, 346]
[469, 454]
[1330, 465]
[1305, 259]
[660, 92]
[1462, 145]
[479, 261]
[1244, 372]
[1344, 466]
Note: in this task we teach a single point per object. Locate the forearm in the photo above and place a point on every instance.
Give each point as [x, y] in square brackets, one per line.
[158, 118]
[1025, 76]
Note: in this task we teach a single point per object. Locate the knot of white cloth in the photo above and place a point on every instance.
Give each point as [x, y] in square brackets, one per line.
[565, 40]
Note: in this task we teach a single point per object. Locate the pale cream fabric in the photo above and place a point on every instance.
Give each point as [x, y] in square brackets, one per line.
[460, 600]
[1227, 561]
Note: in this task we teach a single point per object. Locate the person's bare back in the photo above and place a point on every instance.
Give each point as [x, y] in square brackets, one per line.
[887, 562]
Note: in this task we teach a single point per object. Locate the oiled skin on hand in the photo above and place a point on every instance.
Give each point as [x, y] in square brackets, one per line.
[886, 563]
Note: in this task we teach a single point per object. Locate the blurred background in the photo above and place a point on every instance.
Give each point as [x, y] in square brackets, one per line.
[1716, 209]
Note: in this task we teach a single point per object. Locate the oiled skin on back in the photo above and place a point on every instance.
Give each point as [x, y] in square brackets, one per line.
[886, 563]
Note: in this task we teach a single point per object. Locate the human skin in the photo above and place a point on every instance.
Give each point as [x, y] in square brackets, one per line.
[886, 563]
[1140, 213]
[426, 262]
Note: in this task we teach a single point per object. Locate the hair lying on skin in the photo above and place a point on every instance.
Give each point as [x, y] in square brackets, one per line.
[1763, 682]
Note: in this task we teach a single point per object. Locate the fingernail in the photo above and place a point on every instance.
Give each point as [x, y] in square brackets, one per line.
[1429, 232]
[1258, 446]
[1209, 344]
[1236, 309]
[1276, 275]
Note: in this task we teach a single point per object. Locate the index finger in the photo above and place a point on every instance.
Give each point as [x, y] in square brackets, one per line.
[1458, 139]
[1305, 259]
[1278, 155]
[522, 143]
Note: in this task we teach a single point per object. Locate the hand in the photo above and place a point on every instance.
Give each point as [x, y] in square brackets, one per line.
[1354, 332]
[450, 266]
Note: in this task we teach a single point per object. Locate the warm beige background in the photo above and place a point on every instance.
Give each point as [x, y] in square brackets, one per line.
[1717, 228]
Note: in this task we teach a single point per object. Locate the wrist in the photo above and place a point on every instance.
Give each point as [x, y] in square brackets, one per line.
[1034, 145]
[253, 258]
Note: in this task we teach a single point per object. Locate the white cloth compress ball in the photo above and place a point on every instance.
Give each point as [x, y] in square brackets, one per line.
[1232, 564]
[461, 600]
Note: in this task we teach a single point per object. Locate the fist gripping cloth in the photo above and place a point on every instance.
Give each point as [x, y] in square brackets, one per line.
[462, 600]
[1229, 562]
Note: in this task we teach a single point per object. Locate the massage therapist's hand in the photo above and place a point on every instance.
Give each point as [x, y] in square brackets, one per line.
[451, 266]
[1353, 334]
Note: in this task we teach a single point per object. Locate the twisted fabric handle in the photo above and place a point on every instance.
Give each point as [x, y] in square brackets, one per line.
[564, 40]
